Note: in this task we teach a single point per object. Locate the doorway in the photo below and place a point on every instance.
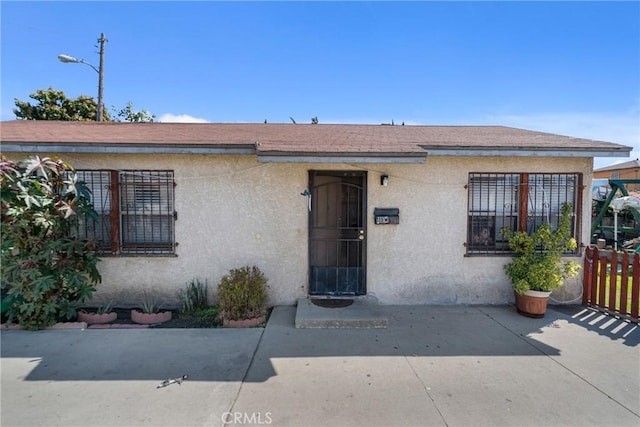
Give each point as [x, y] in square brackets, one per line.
[337, 233]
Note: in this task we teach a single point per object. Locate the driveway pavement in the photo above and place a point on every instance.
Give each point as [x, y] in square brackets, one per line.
[455, 366]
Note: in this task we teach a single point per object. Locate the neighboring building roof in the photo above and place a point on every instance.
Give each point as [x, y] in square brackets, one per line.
[618, 166]
[297, 142]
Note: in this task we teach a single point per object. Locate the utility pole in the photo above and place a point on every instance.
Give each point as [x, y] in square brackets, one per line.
[99, 70]
[101, 40]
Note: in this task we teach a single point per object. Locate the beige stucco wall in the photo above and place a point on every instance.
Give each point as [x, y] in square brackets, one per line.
[234, 211]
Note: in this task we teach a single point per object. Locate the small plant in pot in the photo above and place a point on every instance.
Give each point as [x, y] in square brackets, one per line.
[102, 314]
[538, 266]
[151, 312]
[242, 297]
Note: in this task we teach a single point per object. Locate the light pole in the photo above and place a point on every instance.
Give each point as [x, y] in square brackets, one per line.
[100, 71]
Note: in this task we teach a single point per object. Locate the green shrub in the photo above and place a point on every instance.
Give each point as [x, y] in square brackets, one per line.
[538, 264]
[46, 270]
[242, 294]
[194, 296]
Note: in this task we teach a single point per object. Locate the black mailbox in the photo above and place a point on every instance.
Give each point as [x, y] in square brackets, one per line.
[387, 215]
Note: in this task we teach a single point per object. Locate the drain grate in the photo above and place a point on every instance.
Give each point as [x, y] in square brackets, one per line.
[332, 303]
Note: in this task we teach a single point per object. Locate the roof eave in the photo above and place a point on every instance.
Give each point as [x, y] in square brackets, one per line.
[337, 157]
[518, 152]
[102, 148]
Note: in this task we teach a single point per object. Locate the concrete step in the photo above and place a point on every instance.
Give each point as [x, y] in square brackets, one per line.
[363, 313]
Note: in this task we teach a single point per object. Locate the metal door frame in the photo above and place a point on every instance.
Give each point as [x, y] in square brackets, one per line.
[339, 173]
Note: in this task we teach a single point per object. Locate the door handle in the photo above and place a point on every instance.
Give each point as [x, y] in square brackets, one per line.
[361, 235]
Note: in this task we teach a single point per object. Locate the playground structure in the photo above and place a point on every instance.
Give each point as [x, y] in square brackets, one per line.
[608, 205]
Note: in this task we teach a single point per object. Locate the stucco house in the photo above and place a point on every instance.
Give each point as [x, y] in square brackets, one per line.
[626, 170]
[405, 214]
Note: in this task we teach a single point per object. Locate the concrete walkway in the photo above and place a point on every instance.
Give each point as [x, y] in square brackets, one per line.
[431, 366]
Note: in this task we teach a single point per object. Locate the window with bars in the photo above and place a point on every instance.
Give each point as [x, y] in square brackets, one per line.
[135, 211]
[518, 201]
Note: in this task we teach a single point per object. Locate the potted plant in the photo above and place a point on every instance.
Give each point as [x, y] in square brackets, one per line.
[103, 314]
[151, 312]
[242, 297]
[538, 266]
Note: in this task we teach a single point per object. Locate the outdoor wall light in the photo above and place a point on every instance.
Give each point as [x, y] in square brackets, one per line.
[384, 180]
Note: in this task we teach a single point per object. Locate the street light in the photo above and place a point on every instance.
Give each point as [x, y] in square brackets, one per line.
[100, 71]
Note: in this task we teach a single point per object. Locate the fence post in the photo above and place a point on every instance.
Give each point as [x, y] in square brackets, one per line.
[613, 280]
[635, 286]
[594, 275]
[602, 281]
[624, 284]
[587, 279]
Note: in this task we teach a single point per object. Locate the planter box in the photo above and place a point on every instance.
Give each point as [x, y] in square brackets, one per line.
[150, 318]
[95, 318]
[532, 303]
[244, 323]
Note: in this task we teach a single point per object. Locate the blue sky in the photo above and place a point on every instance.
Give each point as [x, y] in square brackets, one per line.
[565, 67]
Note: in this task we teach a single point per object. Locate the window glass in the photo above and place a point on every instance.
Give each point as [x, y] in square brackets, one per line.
[146, 211]
[546, 195]
[99, 183]
[139, 219]
[494, 199]
[493, 205]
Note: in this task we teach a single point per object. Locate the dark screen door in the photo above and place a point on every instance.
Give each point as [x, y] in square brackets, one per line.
[337, 233]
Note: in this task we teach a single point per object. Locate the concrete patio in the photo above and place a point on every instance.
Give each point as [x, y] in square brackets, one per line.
[431, 366]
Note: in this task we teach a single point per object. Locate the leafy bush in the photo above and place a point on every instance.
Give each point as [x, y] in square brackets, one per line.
[194, 296]
[538, 264]
[46, 270]
[242, 294]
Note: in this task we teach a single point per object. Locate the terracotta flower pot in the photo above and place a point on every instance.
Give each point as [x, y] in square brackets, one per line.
[95, 318]
[150, 318]
[532, 303]
[244, 323]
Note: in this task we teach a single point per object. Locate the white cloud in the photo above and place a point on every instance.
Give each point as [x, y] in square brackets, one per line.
[180, 118]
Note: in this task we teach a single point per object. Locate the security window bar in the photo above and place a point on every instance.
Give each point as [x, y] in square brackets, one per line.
[135, 212]
[98, 228]
[493, 205]
[146, 214]
[518, 202]
[545, 196]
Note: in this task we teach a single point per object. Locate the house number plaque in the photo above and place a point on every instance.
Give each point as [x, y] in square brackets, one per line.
[386, 216]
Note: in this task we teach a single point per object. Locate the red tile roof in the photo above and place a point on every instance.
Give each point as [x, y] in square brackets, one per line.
[298, 139]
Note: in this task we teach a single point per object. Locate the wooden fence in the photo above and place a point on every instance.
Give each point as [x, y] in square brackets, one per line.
[612, 282]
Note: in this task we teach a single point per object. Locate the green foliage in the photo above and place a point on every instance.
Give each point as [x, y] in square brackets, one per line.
[127, 114]
[205, 316]
[46, 270]
[194, 296]
[538, 263]
[150, 304]
[105, 308]
[100, 309]
[54, 105]
[242, 294]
